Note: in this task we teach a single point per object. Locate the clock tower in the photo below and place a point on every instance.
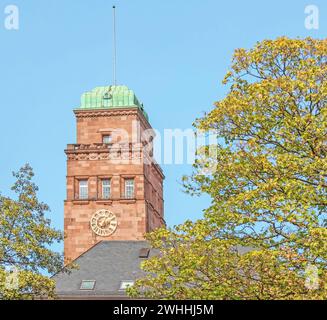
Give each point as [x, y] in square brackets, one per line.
[114, 187]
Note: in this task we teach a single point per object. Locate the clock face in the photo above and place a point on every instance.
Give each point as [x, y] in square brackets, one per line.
[104, 223]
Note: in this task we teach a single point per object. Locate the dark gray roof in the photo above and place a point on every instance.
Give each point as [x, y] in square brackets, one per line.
[108, 263]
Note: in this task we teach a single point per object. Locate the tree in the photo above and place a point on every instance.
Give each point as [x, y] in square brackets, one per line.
[25, 240]
[268, 190]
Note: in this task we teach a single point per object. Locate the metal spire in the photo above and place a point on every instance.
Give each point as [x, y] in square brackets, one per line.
[114, 46]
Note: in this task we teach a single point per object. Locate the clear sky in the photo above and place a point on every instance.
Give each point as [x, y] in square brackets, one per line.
[173, 54]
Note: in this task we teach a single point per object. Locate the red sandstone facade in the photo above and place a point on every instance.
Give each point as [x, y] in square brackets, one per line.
[128, 156]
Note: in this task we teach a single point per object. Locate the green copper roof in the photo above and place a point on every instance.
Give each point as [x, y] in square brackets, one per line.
[110, 97]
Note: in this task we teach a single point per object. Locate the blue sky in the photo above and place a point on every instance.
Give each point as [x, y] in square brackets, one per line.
[173, 54]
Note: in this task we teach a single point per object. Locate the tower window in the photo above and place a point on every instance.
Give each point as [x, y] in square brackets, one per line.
[106, 188]
[83, 190]
[106, 139]
[129, 188]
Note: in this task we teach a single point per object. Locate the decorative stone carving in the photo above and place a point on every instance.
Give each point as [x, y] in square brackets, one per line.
[103, 152]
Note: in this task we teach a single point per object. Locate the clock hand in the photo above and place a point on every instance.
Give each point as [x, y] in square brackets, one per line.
[104, 222]
[108, 221]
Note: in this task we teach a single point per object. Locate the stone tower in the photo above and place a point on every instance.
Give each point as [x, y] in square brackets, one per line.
[114, 187]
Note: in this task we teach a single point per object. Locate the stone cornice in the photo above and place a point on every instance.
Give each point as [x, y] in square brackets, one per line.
[112, 112]
[102, 147]
[99, 151]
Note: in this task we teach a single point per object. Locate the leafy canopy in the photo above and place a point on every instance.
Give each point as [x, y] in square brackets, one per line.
[25, 239]
[264, 235]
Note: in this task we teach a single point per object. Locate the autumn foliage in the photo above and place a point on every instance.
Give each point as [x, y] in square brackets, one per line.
[264, 235]
[26, 237]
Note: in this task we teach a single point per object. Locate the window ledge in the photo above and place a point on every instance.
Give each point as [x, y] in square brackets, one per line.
[127, 200]
[81, 202]
[103, 201]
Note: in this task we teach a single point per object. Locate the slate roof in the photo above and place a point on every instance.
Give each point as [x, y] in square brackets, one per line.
[108, 263]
